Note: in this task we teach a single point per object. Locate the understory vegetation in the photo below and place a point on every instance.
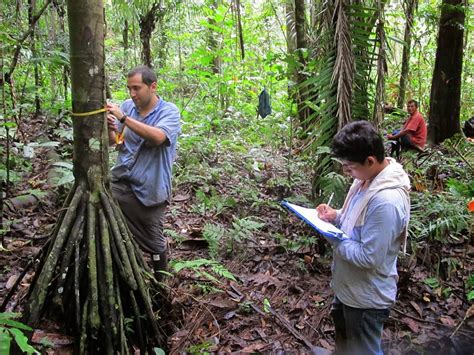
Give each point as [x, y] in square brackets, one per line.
[244, 271]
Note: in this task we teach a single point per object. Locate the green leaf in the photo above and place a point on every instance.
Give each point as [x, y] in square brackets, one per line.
[432, 282]
[470, 296]
[5, 341]
[266, 305]
[159, 351]
[15, 324]
[9, 124]
[22, 341]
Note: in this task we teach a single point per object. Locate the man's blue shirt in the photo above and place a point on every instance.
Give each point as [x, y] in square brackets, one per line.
[148, 167]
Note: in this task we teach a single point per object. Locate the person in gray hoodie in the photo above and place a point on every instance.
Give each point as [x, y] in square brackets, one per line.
[375, 218]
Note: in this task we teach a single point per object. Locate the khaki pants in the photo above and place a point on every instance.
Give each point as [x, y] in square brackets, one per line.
[145, 223]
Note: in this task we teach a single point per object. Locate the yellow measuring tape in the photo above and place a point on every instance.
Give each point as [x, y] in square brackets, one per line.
[119, 136]
[90, 113]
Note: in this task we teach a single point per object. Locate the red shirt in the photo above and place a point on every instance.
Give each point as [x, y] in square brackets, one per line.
[417, 127]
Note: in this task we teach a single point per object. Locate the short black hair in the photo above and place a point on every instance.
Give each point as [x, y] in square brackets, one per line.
[148, 75]
[413, 102]
[357, 141]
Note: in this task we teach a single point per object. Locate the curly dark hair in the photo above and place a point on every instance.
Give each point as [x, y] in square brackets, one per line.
[357, 141]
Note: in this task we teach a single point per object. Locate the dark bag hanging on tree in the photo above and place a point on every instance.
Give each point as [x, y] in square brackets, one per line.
[264, 106]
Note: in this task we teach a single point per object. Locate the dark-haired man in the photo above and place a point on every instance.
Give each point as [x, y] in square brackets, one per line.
[375, 217]
[413, 133]
[145, 128]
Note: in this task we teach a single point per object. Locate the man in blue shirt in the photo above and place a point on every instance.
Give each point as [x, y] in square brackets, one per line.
[145, 129]
[375, 217]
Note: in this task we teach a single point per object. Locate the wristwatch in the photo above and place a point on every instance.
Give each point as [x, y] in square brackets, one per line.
[123, 118]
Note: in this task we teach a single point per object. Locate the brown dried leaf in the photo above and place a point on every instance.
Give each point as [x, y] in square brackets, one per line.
[412, 324]
[470, 312]
[261, 278]
[417, 308]
[40, 336]
[11, 281]
[317, 298]
[446, 320]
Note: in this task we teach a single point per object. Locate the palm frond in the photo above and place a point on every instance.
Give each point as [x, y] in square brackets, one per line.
[343, 72]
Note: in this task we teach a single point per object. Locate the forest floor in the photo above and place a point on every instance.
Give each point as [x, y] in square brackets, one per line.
[226, 212]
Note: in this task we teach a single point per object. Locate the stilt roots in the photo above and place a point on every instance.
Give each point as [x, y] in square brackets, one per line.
[94, 276]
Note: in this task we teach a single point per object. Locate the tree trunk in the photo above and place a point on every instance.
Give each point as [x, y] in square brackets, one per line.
[291, 47]
[410, 6]
[91, 276]
[147, 25]
[32, 25]
[212, 42]
[301, 47]
[381, 68]
[445, 98]
[239, 29]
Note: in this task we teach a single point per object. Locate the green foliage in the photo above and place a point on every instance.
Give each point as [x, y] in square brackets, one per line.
[438, 216]
[244, 228]
[212, 204]
[470, 288]
[12, 329]
[202, 348]
[200, 266]
[65, 174]
[213, 234]
[432, 282]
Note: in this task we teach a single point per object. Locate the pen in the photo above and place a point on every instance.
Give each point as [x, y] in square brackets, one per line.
[330, 199]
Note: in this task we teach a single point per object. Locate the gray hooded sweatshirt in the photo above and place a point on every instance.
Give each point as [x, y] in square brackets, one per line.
[376, 221]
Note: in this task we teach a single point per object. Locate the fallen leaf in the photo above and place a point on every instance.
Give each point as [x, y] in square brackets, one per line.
[412, 324]
[324, 343]
[261, 278]
[229, 315]
[11, 281]
[253, 348]
[470, 311]
[40, 336]
[417, 308]
[180, 198]
[317, 299]
[446, 320]
[222, 303]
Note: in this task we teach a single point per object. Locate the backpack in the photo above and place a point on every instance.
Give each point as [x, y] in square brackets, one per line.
[469, 128]
[264, 106]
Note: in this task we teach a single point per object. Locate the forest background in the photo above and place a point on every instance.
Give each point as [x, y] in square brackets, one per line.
[323, 64]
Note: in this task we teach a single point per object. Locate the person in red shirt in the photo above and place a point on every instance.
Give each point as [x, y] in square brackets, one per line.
[412, 135]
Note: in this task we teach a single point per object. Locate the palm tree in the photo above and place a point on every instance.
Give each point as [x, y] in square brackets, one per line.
[347, 81]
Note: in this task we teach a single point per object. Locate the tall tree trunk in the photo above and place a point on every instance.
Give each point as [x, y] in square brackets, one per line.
[410, 6]
[147, 25]
[291, 46]
[92, 276]
[32, 25]
[161, 51]
[301, 47]
[239, 29]
[212, 41]
[445, 98]
[381, 68]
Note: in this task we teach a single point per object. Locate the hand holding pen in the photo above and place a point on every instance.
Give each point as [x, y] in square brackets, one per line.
[326, 212]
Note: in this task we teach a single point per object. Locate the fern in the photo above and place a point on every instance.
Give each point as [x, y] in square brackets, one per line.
[213, 234]
[244, 228]
[198, 266]
[438, 217]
